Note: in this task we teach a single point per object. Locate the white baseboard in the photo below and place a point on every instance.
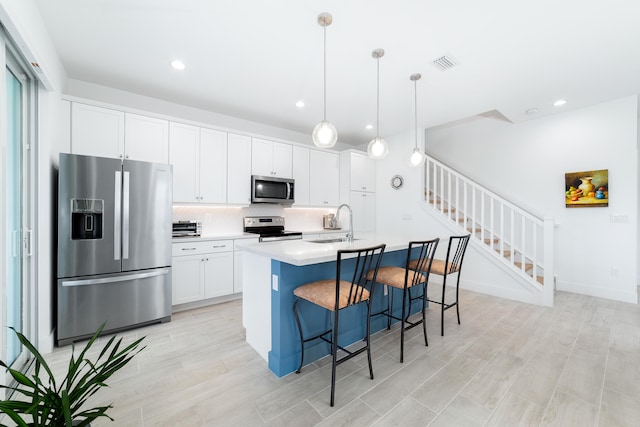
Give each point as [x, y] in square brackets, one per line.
[597, 291]
[521, 295]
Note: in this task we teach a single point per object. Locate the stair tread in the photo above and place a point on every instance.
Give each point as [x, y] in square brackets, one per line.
[443, 206]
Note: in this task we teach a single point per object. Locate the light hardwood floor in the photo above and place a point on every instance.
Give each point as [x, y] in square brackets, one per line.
[508, 364]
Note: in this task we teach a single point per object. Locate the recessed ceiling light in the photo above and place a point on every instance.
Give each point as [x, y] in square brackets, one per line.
[532, 111]
[559, 102]
[178, 65]
[369, 127]
[300, 104]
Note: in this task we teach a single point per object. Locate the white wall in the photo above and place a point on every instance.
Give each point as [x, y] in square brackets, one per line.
[526, 162]
[23, 22]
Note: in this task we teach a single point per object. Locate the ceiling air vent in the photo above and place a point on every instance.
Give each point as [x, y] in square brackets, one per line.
[444, 63]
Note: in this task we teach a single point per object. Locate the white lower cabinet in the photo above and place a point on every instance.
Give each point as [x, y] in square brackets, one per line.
[218, 274]
[188, 279]
[202, 270]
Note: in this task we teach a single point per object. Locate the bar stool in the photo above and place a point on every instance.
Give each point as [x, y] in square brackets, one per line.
[407, 279]
[451, 265]
[337, 294]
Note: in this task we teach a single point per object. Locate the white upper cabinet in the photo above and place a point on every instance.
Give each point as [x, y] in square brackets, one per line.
[97, 131]
[324, 178]
[104, 132]
[184, 154]
[213, 166]
[146, 138]
[359, 170]
[270, 158]
[301, 176]
[239, 169]
[199, 159]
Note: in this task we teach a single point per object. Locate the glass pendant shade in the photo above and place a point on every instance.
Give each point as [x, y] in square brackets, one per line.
[378, 148]
[417, 158]
[324, 135]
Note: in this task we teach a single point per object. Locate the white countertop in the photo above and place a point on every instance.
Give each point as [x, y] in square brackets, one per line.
[302, 252]
[206, 237]
[241, 235]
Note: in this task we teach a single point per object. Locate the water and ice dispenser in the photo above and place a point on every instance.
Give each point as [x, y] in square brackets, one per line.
[86, 219]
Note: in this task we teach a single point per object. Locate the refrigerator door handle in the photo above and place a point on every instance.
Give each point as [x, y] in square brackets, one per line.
[125, 216]
[135, 276]
[117, 215]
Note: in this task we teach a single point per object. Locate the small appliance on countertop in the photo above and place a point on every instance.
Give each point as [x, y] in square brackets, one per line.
[329, 222]
[187, 229]
[270, 228]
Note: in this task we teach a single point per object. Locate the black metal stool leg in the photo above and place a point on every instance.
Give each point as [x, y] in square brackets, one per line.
[334, 353]
[442, 312]
[389, 305]
[424, 309]
[369, 338]
[295, 314]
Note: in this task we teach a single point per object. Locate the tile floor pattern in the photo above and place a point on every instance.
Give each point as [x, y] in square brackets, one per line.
[508, 364]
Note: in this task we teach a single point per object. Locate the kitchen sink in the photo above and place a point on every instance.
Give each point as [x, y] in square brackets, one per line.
[329, 240]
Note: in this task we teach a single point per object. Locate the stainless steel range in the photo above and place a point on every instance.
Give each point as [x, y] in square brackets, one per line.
[270, 228]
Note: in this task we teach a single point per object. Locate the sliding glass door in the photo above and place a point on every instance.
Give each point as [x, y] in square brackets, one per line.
[16, 204]
[14, 226]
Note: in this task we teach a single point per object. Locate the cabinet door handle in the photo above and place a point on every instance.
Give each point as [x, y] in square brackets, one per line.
[188, 249]
[219, 246]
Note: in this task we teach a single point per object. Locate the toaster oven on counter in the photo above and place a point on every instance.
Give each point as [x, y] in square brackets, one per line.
[187, 229]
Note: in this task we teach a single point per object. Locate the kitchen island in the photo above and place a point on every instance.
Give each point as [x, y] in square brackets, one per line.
[272, 270]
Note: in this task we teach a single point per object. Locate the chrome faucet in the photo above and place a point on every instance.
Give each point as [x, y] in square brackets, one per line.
[350, 233]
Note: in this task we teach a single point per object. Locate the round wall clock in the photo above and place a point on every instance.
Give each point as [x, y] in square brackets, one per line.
[396, 182]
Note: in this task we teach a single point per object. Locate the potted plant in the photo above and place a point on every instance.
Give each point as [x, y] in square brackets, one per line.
[38, 400]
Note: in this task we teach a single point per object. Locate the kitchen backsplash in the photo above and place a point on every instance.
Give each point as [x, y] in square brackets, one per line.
[228, 220]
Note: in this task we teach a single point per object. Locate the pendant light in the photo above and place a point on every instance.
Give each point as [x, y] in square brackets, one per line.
[325, 134]
[417, 156]
[378, 147]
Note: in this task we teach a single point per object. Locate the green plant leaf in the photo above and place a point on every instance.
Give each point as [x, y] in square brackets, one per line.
[52, 404]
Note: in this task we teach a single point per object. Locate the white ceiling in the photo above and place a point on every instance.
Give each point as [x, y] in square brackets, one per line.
[254, 59]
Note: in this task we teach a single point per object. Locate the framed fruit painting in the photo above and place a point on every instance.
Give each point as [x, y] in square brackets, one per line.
[586, 189]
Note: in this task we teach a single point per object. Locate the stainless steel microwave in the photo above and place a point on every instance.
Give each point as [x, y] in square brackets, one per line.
[269, 189]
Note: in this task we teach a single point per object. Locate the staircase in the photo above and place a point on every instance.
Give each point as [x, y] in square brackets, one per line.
[519, 241]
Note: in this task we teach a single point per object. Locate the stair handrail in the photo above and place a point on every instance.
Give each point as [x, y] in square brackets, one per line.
[524, 210]
[542, 225]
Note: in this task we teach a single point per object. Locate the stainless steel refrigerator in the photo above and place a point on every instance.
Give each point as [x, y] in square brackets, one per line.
[114, 245]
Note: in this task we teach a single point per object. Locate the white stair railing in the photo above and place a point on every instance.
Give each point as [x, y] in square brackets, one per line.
[521, 239]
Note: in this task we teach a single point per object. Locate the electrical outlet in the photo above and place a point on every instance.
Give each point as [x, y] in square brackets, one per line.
[614, 271]
[618, 218]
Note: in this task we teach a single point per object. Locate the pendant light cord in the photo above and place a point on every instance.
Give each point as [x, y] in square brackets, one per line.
[378, 99]
[415, 92]
[325, 69]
